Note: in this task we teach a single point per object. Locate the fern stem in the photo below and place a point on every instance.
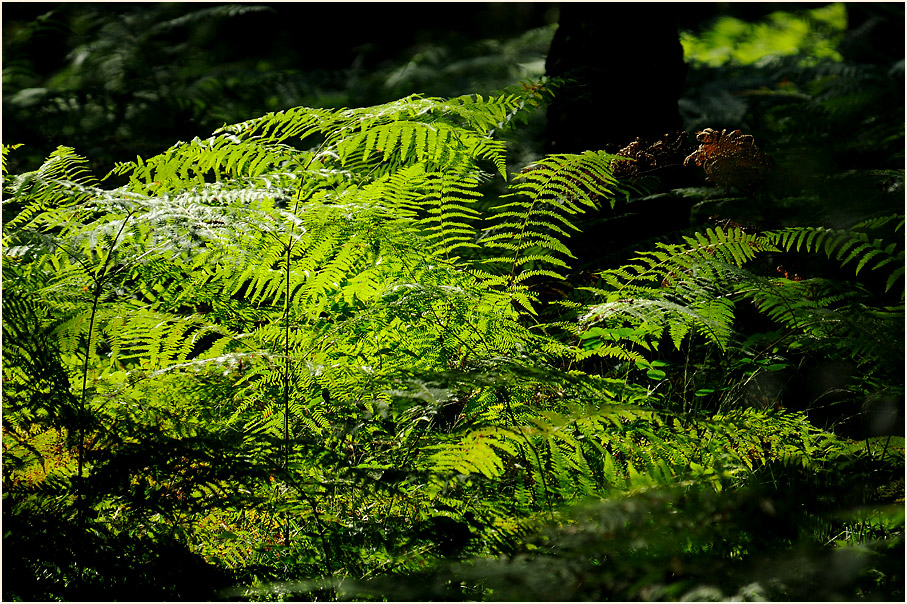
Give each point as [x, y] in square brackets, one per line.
[286, 346]
[98, 279]
[326, 554]
[519, 238]
[80, 489]
[505, 398]
[286, 382]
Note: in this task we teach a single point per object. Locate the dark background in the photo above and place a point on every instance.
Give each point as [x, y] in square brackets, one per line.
[119, 79]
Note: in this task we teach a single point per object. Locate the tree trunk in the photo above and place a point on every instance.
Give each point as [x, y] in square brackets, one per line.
[626, 70]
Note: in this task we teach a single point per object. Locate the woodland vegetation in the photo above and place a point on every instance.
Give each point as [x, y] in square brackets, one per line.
[379, 345]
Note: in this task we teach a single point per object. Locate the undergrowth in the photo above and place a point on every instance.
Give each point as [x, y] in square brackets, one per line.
[308, 355]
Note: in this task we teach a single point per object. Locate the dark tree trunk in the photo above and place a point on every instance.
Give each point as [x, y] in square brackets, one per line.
[625, 71]
[875, 32]
[626, 67]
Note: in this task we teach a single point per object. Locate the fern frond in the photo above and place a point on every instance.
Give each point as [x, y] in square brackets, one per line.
[530, 230]
[845, 247]
[7, 149]
[62, 180]
[476, 452]
[671, 263]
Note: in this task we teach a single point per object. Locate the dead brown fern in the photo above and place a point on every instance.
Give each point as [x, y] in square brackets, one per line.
[730, 159]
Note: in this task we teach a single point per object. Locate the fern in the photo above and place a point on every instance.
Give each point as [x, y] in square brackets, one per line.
[530, 230]
[679, 289]
[322, 307]
[475, 453]
[848, 246]
[675, 290]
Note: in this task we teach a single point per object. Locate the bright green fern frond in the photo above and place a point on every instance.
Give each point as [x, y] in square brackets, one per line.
[530, 230]
[478, 452]
[6, 151]
[672, 263]
[62, 181]
[846, 247]
[298, 122]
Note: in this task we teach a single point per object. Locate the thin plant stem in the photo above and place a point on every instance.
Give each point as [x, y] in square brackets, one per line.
[98, 279]
[286, 351]
[286, 386]
[538, 460]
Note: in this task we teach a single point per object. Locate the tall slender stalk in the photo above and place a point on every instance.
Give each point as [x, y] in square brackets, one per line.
[286, 383]
[286, 407]
[98, 289]
[80, 422]
[505, 398]
[286, 348]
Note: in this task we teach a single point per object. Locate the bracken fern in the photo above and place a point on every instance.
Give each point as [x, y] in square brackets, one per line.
[318, 316]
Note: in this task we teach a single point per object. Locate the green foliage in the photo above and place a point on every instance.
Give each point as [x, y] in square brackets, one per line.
[698, 284]
[116, 81]
[765, 540]
[309, 350]
[815, 32]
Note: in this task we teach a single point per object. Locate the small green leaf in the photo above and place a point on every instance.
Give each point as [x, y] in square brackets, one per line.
[656, 374]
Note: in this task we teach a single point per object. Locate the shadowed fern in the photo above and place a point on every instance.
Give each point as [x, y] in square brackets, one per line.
[317, 316]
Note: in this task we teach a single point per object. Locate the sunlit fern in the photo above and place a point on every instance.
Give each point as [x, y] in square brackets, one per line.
[321, 293]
